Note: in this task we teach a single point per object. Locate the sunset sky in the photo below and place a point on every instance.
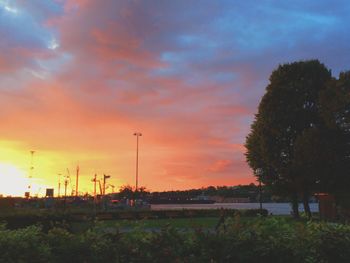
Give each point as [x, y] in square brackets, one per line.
[79, 77]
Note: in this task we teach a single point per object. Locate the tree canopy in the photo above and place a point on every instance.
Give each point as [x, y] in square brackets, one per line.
[299, 140]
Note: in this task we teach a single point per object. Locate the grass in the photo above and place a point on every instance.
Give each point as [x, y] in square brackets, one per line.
[153, 224]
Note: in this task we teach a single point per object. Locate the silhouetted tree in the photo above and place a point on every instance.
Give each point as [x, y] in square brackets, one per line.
[126, 191]
[289, 107]
[142, 192]
[335, 110]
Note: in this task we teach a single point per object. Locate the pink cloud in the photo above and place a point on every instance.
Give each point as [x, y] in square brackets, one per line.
[221, 166]
[114, 84]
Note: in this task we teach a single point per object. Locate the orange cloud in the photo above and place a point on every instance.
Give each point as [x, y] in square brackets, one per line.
[110, 77]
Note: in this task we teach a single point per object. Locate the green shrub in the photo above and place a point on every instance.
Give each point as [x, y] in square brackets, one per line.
[23, 245]
[260, 239]
[330, 241]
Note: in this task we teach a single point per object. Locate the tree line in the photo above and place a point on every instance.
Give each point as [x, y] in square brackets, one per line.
[250, 191]
[299, 143]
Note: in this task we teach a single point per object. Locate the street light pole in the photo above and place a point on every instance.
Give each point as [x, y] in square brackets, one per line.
[31, 172]
[137, 134]
[105, 177]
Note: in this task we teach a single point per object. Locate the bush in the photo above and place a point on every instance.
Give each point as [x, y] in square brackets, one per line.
[23, 245]
[261, 239]
[330, 241]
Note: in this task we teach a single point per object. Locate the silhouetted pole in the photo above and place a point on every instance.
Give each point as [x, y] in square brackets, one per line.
[104, 199]
[137, 134]
[95, 182]
[77, 182]
[31, 171]
[105, 177]
[65, 192]
[65, 188]
[59, 185]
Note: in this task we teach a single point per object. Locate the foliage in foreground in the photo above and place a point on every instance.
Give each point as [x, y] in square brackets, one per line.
[258, 240]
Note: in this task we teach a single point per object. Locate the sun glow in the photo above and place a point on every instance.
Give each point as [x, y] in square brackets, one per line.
[13, 180]
[15, 163]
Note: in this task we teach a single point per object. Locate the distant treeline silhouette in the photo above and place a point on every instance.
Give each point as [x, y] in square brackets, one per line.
[250, 191]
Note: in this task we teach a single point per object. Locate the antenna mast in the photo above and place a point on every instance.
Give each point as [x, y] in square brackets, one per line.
[31, 171]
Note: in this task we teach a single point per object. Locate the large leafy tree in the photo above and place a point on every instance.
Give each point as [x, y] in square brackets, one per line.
[335, 111]
[288, 114]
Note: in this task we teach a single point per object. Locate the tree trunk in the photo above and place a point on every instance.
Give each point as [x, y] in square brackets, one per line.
[307, 206]
[295, 206]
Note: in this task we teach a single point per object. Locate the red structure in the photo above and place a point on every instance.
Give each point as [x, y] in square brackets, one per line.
[327, 206]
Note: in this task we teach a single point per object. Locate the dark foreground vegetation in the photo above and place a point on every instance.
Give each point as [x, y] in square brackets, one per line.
[47, 218]
[260, 239]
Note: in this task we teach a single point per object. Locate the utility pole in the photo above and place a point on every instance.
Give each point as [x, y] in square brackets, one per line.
[137, 134]
[59, 185]
[65, 190]
[105, 177]
[77, 183]
[70, 182]
[31, 172]
[95, 182]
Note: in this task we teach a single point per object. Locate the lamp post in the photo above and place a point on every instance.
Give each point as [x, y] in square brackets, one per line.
[105, 177]
[137, 134]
